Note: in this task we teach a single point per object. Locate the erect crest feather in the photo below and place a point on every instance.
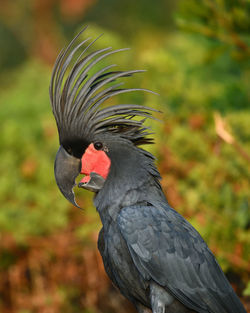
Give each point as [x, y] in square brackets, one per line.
[76, 98]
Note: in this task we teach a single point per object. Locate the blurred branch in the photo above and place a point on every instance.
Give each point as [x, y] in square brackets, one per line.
[227, 23]
[220, 128]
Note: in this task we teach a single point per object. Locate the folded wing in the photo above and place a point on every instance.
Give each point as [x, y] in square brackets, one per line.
[168, 250]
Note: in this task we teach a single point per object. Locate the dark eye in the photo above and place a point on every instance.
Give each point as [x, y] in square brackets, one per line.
[98, 145]
[69, 150]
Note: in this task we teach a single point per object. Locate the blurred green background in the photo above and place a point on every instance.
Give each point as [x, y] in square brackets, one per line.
[197, 57]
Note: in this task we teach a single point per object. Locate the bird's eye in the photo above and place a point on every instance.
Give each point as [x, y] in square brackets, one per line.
[98, 145]
[69, 150]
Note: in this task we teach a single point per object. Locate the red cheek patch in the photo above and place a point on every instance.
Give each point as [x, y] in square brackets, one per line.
[94, 161]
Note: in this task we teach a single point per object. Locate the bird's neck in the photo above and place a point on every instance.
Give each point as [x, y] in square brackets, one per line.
[122, 190]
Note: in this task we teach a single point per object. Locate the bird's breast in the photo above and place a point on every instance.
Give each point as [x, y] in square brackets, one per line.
[119, 265]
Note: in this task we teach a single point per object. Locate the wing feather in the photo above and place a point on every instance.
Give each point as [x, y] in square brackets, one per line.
[168, 250]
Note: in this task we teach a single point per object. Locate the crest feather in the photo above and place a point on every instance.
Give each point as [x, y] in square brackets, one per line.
[76, 97]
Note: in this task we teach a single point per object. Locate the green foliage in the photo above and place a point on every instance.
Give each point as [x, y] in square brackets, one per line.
[31, 204]
[226, 22]
[247, 290]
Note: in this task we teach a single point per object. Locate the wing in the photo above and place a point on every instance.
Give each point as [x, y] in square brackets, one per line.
[167, 249]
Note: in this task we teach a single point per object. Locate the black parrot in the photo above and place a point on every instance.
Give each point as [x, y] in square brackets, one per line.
[150, 252]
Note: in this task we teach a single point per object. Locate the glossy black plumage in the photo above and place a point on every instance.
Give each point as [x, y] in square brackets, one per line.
[152, 254]
[156, 233]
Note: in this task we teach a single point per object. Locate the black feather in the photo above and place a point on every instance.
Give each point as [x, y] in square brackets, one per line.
[76, 98]
[176, 259]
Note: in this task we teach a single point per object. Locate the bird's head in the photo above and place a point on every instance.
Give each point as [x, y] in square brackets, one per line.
[90, 136]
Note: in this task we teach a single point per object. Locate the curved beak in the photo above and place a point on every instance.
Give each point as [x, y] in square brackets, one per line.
[95, 183]
[66, 169]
